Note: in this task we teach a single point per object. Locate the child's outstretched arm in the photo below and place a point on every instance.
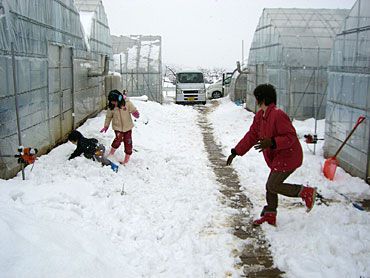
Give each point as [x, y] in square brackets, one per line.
[78, 151]
[108, 119]
[133, 110]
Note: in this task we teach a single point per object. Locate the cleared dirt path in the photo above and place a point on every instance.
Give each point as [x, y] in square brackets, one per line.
[256, 260]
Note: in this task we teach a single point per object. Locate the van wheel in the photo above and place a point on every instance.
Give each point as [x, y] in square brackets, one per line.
[204, 102]
[216, 94]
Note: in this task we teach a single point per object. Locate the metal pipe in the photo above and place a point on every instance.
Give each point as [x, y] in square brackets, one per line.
[61, 108]
[315, 109]
[239, 69]
[242, 52]
[16, 101]
[51, 141]
[160, 70]
[368, 160]
[120, 63]
[255, 103]
[73, 90]
[126, 71]
[148, 75]
[316, 95]
[368, 139]
[290, 92]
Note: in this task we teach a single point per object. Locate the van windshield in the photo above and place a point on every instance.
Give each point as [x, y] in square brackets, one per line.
[190, 77]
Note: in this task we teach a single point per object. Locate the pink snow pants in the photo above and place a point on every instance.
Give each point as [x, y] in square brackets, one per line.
[124, 137]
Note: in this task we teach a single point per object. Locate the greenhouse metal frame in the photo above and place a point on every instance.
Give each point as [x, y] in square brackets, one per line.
[138, 59]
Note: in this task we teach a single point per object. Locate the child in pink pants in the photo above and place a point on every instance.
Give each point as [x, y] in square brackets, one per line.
[119, 113]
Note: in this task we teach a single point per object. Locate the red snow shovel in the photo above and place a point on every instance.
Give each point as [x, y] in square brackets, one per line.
[330, 165]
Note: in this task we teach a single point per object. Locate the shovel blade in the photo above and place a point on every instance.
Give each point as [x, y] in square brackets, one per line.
[330, 166]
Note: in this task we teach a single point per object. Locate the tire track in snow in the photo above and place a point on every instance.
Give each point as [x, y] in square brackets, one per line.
[256, 259]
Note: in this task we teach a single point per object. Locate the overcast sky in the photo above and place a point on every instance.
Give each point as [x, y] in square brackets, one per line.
[200, 33]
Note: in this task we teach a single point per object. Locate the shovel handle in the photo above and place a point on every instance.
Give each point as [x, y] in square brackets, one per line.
[359, 121]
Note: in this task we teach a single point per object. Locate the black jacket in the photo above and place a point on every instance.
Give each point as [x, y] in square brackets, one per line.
[87, 146]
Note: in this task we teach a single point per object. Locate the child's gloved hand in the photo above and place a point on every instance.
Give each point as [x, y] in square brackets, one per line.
[104, 129]
[136, 114]
[231, 157]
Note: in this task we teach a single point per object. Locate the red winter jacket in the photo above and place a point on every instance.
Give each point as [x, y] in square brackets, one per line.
[287, 155]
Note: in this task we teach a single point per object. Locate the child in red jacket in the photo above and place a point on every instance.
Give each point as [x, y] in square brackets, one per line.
[273, 134]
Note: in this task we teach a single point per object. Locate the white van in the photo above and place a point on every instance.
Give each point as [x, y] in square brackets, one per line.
[221, 87]
[190, 87]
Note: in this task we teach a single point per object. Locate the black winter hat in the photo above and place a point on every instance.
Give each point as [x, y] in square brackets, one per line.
[74, 136]
[115, 95]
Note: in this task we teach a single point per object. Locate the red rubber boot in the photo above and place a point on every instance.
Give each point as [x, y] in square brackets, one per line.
[269, 217]
[127, 158]
[308, 194]
[112, 151]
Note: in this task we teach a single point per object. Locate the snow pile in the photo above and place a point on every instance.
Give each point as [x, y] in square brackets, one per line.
[160, 216]
[86, 19]
[69, 219]
[330, 241]
[140, 98]
[114, 73]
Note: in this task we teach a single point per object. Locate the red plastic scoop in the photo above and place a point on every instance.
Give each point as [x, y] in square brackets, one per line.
[330, 165]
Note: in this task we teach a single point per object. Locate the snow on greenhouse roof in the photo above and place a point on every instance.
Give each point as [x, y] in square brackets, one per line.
[86, 21]
[95, 24]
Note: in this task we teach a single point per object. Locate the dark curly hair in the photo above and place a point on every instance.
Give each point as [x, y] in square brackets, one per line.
[75, 136]
[116, 95]
[265, 93]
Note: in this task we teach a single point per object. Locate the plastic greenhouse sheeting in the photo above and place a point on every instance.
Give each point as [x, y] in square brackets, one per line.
[51, 65]
[291, 50]
[139, 60]
[349, 91]
[237, 88]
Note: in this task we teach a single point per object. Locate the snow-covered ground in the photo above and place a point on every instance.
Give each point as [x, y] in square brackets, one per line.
[330, 241]
[69, 219]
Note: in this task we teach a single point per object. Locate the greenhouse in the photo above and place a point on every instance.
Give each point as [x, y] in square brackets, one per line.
[237, 88]
[52, 71]
[349, 92]
[139, 61]
[291, 50]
